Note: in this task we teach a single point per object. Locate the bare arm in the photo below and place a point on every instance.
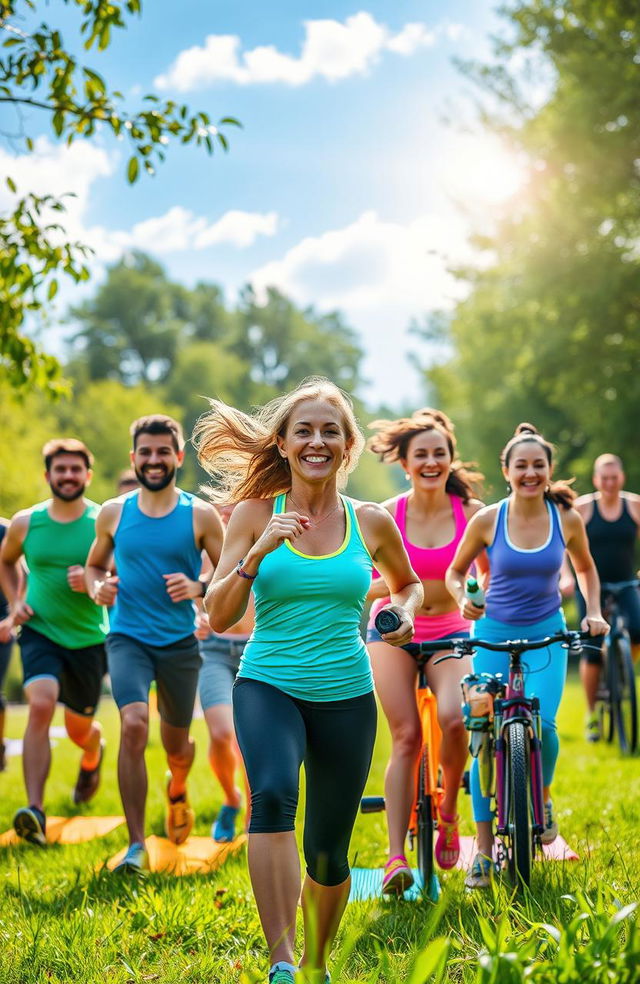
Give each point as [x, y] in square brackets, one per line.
[586, 573]
[101, 585]
[209, 535]
[475, 539]
[12, 578]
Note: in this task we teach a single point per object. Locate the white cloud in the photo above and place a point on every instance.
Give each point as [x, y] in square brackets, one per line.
[381, 275]
[331, 50]
[58, 169]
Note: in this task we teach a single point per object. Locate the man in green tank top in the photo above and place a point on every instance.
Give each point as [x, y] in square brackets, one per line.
[62, 631]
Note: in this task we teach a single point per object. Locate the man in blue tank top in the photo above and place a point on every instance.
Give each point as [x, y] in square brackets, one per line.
[145, 563]
[612, 519]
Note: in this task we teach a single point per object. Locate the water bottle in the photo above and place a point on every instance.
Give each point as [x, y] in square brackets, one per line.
[474, 593]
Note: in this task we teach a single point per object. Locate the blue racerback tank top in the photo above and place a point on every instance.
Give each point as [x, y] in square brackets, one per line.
[306, 640]
[523, 586]
[146, 547]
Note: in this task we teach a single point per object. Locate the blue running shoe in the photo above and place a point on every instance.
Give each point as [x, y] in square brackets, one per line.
[224, 829]
[135, 861]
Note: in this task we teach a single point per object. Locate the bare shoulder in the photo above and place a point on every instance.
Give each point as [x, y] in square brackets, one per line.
[572, 521]
[375, 515]
[391, 504]
[584, 501]
[203, 509]
[18, 525]
[472, 507]
[109, 515]
[633, 505]
[485, 517]
[252, 515]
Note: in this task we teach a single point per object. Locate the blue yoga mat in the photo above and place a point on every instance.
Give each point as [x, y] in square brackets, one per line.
[366, 883]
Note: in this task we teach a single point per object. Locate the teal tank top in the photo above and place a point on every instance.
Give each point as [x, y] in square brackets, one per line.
[306, 640]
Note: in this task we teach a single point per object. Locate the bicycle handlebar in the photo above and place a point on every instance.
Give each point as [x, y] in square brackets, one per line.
[462, 647]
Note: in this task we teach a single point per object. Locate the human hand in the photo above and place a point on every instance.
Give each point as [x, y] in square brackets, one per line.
[595, 625]
[6, 629]
[404, 633]
[20, 612]
[281, 527]
[182, 588]
[105, 592]
[75, 578]
[203, 629]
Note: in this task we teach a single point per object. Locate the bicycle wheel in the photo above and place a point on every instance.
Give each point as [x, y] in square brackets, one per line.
[624, 702]
[425, 825]
[520, 836]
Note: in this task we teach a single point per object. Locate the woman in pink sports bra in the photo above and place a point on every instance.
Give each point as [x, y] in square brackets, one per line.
[431, 517]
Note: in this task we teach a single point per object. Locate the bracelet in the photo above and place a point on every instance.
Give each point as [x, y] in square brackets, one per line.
[249, 577]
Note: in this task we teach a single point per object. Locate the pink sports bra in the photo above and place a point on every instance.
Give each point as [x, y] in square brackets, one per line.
[431, 563]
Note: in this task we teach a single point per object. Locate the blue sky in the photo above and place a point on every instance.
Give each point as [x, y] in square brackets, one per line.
[340, 187]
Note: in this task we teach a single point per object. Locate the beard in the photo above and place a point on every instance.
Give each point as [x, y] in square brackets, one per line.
[65, 496]
[157, 484]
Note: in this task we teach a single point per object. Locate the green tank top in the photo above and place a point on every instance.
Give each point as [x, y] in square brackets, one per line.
[307, 640]
[67, 617]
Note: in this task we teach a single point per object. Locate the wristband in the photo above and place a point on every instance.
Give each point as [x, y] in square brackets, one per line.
[249, 577]
[203, 588]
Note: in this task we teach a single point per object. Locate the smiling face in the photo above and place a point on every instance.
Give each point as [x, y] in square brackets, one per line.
[155, 461]
[315, 442]
[428, 460]
[68, 476]
[528, 471]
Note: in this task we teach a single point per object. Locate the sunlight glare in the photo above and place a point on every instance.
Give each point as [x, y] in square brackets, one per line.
[479, 172]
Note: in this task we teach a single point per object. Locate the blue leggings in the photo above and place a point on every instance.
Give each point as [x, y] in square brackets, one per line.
[545, 675]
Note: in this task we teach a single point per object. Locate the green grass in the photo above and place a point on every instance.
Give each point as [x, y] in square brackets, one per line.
[64, 920]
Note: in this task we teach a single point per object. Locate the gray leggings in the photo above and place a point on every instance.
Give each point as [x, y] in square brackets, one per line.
[334, 739]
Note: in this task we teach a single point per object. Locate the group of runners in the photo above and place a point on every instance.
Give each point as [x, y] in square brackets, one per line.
[300, 679]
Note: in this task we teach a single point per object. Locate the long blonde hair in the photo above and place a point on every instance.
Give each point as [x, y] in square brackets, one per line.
[240, 450]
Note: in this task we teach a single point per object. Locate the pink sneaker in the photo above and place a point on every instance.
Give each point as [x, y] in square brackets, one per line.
[397, 876]
[447, 850]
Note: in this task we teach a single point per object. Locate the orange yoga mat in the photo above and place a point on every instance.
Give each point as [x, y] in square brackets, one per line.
[69, 830]
[197, 855]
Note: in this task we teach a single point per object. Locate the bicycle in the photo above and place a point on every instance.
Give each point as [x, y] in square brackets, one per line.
[505, 734]
[428, 787]
[617, 696]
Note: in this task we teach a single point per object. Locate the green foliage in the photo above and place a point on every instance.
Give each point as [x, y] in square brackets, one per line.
[38, 70]
[550, 329]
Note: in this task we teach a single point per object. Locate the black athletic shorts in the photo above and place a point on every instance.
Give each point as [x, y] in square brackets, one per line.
[79, 672]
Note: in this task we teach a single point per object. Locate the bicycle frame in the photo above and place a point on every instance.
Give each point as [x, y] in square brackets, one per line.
[429, 750]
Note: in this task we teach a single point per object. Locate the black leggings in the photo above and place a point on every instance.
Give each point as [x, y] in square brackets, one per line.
[334, 739]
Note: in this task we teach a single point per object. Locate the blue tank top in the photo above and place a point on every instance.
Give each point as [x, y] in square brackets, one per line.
[523, 587]
[306, 640]
[147, 547]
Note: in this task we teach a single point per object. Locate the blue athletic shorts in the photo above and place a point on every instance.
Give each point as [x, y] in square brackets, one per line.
[220, 662]
[133, 665]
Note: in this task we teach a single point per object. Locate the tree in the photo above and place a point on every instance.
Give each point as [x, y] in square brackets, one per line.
[39, 71]
[550, 329]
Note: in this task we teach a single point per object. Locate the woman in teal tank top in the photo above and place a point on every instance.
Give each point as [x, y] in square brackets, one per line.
[304, 691]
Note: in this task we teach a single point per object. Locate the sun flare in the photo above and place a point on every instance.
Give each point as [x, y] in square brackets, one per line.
[479, 172]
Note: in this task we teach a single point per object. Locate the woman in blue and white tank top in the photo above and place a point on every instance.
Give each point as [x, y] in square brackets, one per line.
[525, 537]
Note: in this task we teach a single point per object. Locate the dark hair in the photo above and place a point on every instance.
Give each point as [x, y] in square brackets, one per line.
[391, 443]
[157, 423]
[66, 445]
[559, 492]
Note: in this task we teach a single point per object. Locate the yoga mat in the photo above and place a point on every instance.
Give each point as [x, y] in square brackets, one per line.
[196, 855]
[69, 830]
[366, 883]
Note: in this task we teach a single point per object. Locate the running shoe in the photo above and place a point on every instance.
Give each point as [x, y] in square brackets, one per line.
[397, 876]
[550, 831]
[224, 828]
[30, 824]
[135, 861]
[480, 873]
[88, 780]
[447, 850]
[282, 973]
[179, 818]
[592, 730]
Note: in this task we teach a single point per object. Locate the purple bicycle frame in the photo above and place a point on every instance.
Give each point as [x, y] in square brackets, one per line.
[516, 706]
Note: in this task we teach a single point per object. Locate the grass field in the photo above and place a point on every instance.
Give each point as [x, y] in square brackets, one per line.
[64, 920]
